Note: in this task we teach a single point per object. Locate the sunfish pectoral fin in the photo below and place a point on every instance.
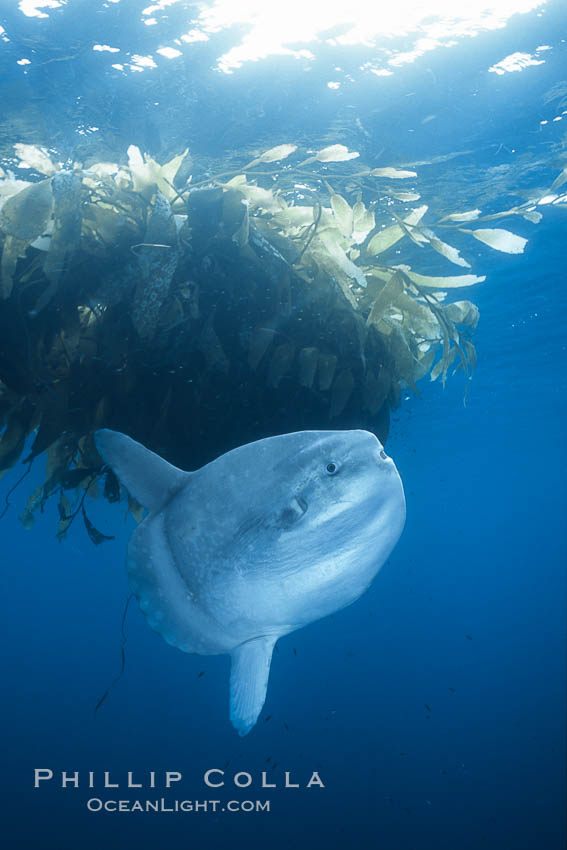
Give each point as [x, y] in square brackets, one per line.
[146, 476]
[249, 674]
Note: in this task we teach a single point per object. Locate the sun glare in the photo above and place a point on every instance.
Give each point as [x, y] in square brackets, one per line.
[298, 28]
[288, 28]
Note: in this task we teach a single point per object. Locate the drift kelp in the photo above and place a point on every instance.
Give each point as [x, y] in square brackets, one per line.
[272, 297]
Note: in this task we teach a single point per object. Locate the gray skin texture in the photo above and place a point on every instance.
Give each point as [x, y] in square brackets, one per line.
[265, 539]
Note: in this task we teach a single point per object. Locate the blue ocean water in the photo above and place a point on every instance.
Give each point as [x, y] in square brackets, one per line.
[434, 707]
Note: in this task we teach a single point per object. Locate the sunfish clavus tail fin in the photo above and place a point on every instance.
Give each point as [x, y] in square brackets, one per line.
[148, 478]
[249, 674]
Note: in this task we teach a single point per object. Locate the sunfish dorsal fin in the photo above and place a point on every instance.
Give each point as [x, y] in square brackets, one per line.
[249, 674]
[146, 476]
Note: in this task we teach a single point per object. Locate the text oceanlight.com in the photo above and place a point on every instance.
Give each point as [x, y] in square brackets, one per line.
[95, 804]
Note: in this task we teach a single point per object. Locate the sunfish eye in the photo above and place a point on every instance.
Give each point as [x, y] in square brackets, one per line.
[332, 468]
[383, 454]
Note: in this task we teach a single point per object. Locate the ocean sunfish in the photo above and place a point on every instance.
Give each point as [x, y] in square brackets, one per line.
[261, 541]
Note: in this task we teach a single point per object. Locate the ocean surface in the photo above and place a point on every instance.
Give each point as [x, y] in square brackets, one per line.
[433, 708]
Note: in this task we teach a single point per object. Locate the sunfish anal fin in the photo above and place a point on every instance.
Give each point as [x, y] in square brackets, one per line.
[248, 681]
[146, 476]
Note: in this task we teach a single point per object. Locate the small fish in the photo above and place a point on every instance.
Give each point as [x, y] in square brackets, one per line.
[453, 690]
[327, 363]
[280, 363]
[269, 758]
[427, 706]
[286, 727]
[202, 673]
[468, 637]
[307, 360]
[341, 392]
[268, 717]
[294, 651]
